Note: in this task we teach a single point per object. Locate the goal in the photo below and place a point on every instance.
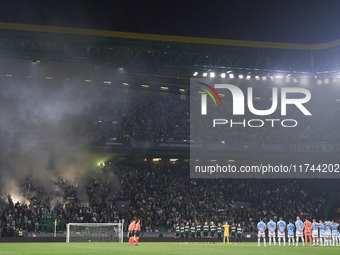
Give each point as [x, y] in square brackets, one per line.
[94, 232]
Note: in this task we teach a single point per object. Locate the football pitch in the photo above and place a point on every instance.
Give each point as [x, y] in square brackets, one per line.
[156, 248]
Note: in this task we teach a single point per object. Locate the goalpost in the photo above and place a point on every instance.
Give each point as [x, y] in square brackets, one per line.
[94, 232]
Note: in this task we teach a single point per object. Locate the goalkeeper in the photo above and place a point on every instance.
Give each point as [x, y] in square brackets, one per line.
[308, 231]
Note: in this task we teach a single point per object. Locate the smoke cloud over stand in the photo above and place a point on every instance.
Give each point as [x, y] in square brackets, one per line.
[44, 121]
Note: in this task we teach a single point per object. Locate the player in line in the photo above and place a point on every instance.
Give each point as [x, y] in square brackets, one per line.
[281, 231]
[271, 225]
[322, 232]
[315, 232]
[299, 231]
[226, 232]
[181, 233]
[219, 233]
[334, 227]
[233, 232]
[261, 228]
[290, 228]
[307, 225]
[328, 232]
[177, 232]
[212, 230]
[239, 231]
[186, 231]
[339, 233]
[192, 233]
[198, 232]
[206, 231]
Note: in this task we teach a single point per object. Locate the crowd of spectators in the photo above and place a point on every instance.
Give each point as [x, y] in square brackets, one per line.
[161, 195]
[165, 117]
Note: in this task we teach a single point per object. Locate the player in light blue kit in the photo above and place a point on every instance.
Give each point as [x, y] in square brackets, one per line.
[271, 225]
[322, 232]
[338, 232]
[299, 231]
[290, 228]
[334, 227]
[261, 228]
[328, 232]
[281, 231]
[315, 232]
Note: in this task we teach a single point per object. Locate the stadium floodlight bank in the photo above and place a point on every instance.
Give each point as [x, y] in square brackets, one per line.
[94, 232]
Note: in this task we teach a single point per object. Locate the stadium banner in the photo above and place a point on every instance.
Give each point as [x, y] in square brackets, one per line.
[271, 115]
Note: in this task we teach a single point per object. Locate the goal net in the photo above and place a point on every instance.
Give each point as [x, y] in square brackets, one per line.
[94, 232]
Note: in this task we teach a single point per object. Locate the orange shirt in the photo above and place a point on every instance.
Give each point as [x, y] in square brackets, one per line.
[308, 226]
[132, 226]
[137, 227]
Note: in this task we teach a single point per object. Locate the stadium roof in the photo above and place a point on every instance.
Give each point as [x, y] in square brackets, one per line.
[168, 38]
[173, 57]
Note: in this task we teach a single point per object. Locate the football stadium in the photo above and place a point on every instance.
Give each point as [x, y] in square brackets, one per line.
[124, 141]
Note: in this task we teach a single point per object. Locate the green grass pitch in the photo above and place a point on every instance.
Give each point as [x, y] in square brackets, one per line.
[156, 248]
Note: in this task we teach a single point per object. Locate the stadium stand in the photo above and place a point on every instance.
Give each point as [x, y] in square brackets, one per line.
[158, 194]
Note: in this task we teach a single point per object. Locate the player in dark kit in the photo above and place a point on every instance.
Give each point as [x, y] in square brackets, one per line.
[233, 232]
[181, 233]
[212, 231]
[206, 231]
[177, 231]
[192, 232]
[239, 231]
[198, 232]
[219, 233]
[186, 231]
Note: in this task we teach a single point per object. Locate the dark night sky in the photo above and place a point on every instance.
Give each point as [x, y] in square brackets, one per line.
[303, 21]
